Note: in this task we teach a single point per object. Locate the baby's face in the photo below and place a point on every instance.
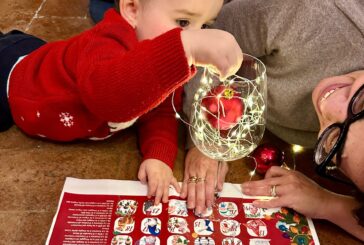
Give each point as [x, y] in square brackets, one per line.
[331, 98]
[156, 17]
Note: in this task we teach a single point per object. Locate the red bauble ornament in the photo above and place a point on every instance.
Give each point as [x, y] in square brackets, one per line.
[227, 114]
[266, 156]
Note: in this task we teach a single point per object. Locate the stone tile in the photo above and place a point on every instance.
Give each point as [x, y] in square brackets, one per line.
[32, 228]
[55, 29]
[17, 14]
[64, 8]
[8, 226]
[34, 176]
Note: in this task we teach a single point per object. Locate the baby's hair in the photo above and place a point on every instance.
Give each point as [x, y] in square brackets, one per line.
[116, 3]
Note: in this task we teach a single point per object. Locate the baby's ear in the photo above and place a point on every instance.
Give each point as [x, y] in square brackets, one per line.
[129, 10]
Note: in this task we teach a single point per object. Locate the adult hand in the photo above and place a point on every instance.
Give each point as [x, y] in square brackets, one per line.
[293, 190]
[201, 193]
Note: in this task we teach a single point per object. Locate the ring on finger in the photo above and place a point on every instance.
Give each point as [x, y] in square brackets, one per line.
[192, 179]
[199, 179]
[273, 190]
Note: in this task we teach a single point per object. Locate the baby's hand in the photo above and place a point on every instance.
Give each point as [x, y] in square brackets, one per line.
[159, 176]
[215, 48]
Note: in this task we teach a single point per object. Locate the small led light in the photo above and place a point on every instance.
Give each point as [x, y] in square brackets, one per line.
[297, 148]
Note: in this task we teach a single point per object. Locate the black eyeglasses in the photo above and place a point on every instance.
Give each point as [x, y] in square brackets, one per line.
[329, 147]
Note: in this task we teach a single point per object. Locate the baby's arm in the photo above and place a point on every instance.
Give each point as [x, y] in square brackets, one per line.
[212, 48]
[157, 134]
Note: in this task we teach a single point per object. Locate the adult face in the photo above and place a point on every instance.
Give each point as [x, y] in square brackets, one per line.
[331, 98]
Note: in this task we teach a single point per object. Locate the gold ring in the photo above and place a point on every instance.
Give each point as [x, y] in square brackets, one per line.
[273, 191]
[200, 180]
[192, 179]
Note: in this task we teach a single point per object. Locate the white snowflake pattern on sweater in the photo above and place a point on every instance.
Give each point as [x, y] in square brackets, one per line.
[66, 118]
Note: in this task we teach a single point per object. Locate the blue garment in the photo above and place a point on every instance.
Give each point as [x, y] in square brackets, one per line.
[97, 8]
[12, 46]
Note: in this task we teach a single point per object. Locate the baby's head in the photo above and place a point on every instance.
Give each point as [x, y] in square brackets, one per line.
[151, 18]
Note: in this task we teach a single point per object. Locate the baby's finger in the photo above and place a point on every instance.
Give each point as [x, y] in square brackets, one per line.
[159, 194]
[152, 188]
[142, 174]
[176, 185]
[165, 193]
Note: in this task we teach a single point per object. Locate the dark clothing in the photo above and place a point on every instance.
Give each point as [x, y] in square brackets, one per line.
[12, 46]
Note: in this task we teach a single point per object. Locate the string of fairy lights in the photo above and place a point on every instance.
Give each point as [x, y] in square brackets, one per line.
[243, 137]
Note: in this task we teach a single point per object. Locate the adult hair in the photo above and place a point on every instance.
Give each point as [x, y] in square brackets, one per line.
[359, 212]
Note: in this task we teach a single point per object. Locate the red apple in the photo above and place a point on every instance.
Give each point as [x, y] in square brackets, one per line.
[224, 107]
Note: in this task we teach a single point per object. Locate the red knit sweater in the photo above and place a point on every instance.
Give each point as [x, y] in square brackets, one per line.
[71, 89]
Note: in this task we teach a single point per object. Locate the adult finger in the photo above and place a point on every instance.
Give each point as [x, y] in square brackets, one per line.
[210, 188]
[224, 168]
[263, 182]
[258, 191]
[276, 171]
[272, 203]
[191, 186]
[200, 195]
[184, 190]
[186, 175]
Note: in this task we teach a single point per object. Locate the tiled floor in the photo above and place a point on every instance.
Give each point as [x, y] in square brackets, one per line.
[32, 171]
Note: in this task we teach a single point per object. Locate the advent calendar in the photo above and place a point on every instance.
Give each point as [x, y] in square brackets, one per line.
[117, 212]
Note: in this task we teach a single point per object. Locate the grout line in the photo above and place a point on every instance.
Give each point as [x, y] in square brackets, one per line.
[63, 17]
[35, 15]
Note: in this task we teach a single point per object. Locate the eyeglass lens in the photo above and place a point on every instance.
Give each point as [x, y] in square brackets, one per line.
[328, 140]
[358, 104]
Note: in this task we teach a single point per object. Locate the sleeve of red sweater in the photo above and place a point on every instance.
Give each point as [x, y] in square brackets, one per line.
[158, 131]
[123, 79]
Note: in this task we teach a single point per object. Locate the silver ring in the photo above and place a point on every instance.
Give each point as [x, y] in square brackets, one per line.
[273, 191]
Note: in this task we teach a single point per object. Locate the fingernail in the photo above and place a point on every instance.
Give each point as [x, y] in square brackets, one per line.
[209, 204]
[197, 213]
[246, 190]
[255, 202]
